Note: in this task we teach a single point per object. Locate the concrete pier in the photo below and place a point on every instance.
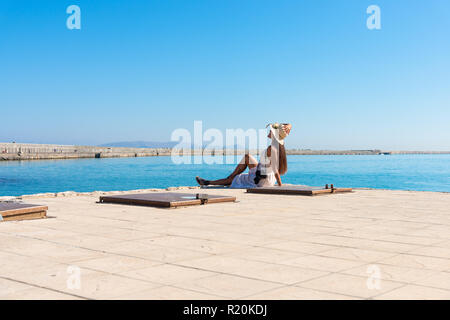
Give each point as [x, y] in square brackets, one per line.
[20, 151]
[27, 151]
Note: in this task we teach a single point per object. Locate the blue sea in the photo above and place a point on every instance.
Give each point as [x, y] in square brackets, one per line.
[396, 172]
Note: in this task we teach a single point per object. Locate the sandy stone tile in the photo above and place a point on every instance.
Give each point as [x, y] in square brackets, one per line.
[227, 286]
[19, 228]
[222, 264]
[115, 263]
[229, 236]
[360, 233]
[154, 253]
[413, 292]
[167, 274]
[362, 243]
[350, 285]
[304, 231]
[35, 293]
[323, 263]
[168, 293]
[57, 277]
[10, 288]
[390, 272]
[439, 280]
[430, 233]
[423, 241]
[265, 254]
[61, 224]
[301, 247]
[441, 224]
[270, 230]
[96, 286]
[436, 252]
[60, 253]
[396, 247]
[402, 223]
[418, 262]
[364, 255]
[12, 243]
[298, 293]
[445, 244]
[13, 263]
[255, 269]
[38, 232]
[127, 234]
[225, 234]
[330, 222]
[85, 241]
[208, 246]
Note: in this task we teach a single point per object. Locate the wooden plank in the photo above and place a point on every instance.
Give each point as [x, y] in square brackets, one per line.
[13, 208]
[164, 199]
[297, 190]
[26, 216]
[18, 211]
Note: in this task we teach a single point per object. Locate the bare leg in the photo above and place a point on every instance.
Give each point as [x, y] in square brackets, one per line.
[221, 182]
[247, 161]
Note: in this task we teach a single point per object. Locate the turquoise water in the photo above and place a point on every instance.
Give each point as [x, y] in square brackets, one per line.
[399, 172]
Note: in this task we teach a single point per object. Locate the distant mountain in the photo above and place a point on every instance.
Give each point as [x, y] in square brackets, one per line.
[140, 144]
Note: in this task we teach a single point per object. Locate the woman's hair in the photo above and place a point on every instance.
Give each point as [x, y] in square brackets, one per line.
[282, 160]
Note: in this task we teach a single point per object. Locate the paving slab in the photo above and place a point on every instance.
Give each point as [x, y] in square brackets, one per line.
[369, 244]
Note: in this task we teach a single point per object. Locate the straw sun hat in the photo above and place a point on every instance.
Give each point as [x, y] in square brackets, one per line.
[279, 131]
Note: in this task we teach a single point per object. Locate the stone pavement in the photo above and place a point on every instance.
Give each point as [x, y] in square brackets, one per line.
[371, 244]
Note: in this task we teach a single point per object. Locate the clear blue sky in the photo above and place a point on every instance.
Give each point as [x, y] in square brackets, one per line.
[139, 69]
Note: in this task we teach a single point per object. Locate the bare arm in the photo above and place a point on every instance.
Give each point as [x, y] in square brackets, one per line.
[278, 177]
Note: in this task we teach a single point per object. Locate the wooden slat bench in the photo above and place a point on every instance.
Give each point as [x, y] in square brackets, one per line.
[166, 199]
[298, 190]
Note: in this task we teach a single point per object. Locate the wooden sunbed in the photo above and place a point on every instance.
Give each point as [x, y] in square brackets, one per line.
[166, 199]
[10, 211]
[298, 190]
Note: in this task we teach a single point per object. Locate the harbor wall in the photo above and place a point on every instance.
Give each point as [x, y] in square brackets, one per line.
[25, 151]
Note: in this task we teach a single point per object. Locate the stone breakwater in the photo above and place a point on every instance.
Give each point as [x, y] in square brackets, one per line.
[23, 151]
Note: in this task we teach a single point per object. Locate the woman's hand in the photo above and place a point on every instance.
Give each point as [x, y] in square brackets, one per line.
[287, 128]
